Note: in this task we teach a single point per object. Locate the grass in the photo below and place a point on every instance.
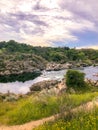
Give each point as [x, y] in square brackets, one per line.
[78, 121]
[40, 106]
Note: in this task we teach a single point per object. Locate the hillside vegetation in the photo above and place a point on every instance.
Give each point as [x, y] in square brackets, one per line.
[56, 54]
[17, 59]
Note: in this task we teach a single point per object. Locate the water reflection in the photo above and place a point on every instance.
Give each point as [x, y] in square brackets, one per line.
[20, 87]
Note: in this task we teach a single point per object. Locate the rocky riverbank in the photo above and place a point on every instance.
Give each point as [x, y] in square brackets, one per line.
[21, 67]
[43, 87]
[52, 66]
[56, 66]
[92, 82]
[50, 86]
[23, 63]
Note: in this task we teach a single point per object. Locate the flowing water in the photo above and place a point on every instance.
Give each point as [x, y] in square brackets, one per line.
[23, 87]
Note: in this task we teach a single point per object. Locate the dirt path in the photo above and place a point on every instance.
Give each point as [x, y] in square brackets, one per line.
[29, 126]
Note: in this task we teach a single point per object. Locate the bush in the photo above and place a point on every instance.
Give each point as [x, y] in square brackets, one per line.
[75, 78]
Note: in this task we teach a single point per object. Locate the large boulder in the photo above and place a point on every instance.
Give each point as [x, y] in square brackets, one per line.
[44, 85]
[49, 87]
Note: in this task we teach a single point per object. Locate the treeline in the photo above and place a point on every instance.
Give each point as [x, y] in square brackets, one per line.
[56, 54]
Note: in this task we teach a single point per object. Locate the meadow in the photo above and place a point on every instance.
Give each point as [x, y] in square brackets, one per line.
[39, 106]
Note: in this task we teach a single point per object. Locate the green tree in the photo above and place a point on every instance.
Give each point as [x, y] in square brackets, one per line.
[81, 56]
[75, 78]
[57, 56]
[72, 54]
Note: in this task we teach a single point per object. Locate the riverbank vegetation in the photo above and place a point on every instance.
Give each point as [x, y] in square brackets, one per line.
[75, 79]
[56, 54]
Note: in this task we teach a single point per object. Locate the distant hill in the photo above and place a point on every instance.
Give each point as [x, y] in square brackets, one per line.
[18, 58]
[56, 54]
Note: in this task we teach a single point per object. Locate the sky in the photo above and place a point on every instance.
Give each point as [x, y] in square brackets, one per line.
[72, 23]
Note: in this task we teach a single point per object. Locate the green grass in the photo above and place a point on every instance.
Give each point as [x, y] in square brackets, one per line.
[37, 107]
[78, 121]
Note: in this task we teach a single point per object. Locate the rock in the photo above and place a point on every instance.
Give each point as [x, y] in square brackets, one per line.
[84, 64]
[92, 82]
[8, 97]
[44, 85]
[49, 87]
[96, 75]
[11, 98]
[21, 64]
[95, 65]
[55, 66]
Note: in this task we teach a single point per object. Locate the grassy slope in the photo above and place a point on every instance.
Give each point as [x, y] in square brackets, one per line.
[37, 107]
[80, 121]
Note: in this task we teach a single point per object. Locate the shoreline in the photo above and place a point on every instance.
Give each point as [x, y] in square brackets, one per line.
[23, 87]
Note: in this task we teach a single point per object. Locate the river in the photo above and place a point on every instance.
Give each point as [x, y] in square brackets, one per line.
[23, 87]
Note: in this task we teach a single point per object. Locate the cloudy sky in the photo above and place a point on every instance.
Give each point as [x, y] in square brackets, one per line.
[72, 23]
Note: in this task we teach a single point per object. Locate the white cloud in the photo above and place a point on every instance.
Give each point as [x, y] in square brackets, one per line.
[81, 7]
[51, 4]
[42, 22]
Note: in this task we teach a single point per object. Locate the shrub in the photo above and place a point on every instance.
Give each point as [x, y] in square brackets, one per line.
[74, 78]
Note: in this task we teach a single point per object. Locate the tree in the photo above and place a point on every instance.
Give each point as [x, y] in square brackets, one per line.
[72, 54]
[81, 56]
[75, 78]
